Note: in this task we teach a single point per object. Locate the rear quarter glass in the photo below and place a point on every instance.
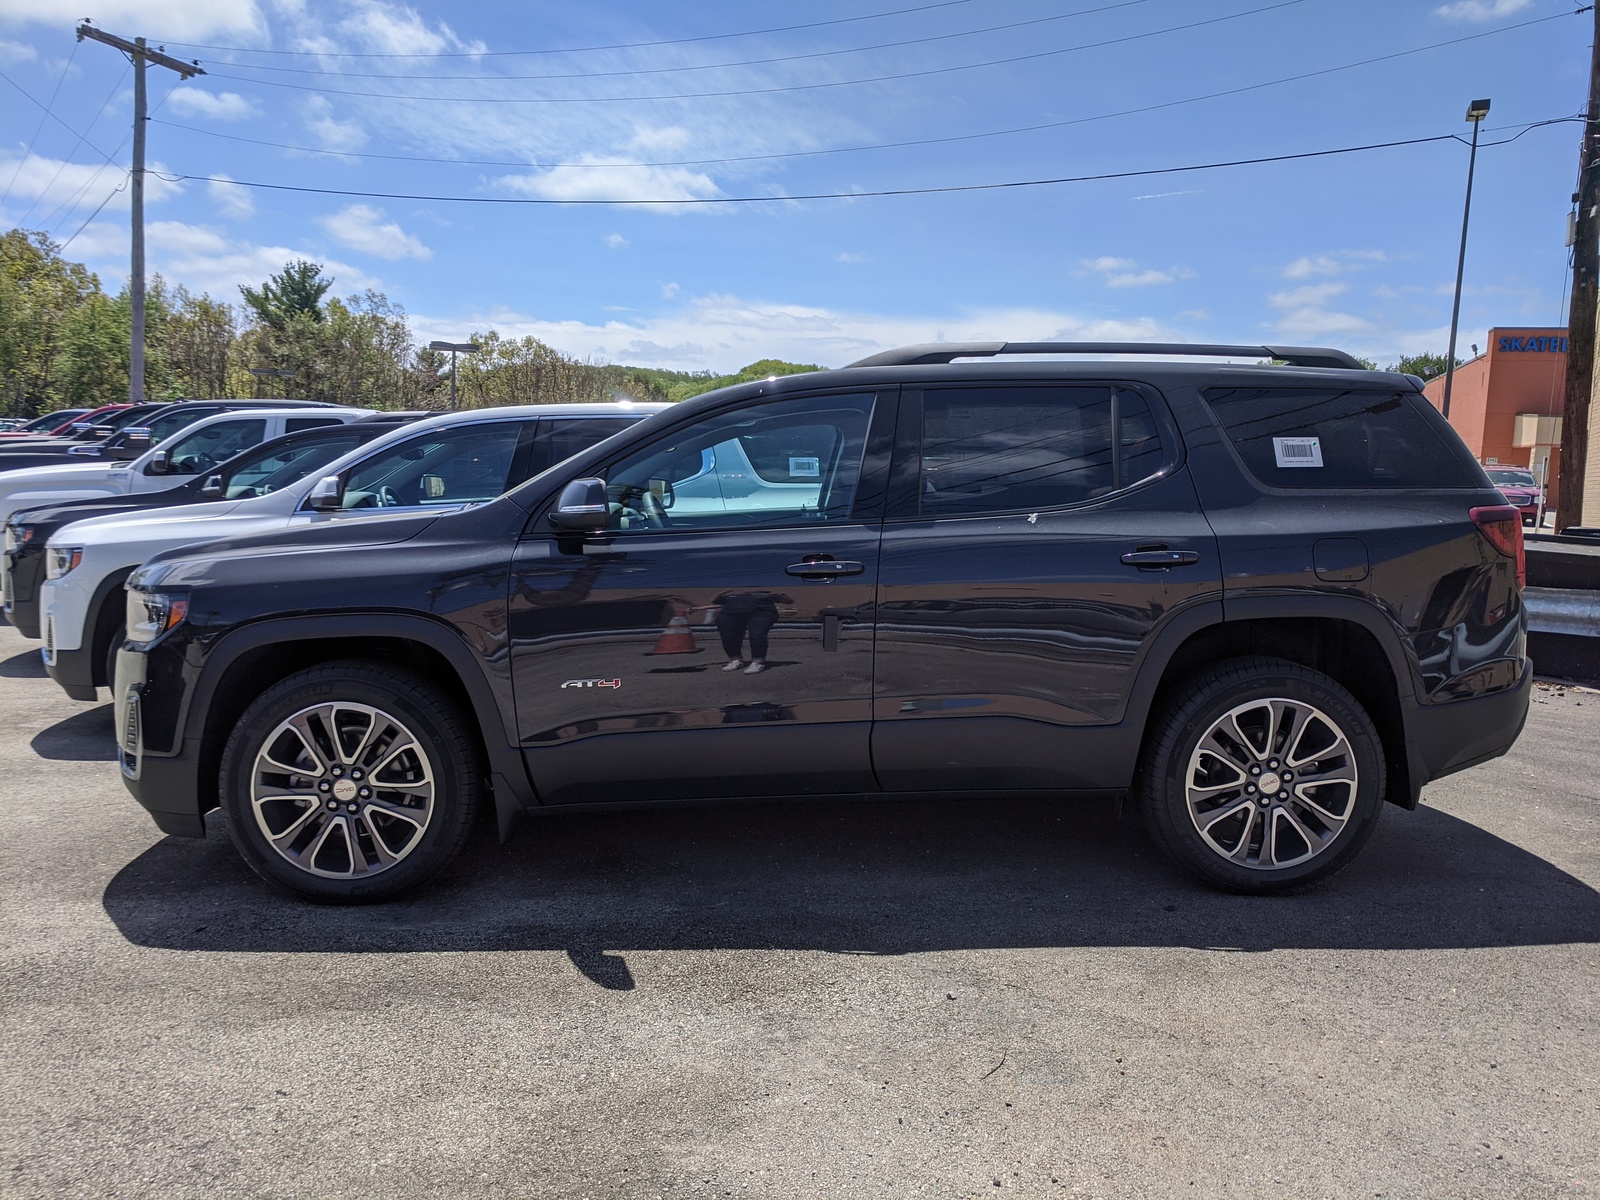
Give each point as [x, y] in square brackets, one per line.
[1290, 437]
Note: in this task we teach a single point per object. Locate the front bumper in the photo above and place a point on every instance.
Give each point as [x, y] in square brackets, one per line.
[165, 785]
[74, 671]
[24, 575]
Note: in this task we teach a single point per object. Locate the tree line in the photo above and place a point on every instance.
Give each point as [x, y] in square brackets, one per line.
[64, 344]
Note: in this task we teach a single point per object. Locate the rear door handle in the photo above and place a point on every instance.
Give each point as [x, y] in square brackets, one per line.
[825, 569]
[1151, 559]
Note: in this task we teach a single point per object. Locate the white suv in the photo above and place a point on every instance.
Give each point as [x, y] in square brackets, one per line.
[435, 464]
[193, 452]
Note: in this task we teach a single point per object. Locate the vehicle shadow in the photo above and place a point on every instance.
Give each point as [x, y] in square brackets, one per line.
[89, 736]
[882, 878]
[27, 665]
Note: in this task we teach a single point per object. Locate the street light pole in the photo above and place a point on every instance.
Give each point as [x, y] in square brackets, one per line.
[453, 347]
[1476, 112]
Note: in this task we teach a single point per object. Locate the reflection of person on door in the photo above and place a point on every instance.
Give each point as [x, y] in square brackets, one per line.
[754, 613]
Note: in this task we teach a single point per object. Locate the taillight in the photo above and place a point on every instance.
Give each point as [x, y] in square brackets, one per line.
[1501, 526]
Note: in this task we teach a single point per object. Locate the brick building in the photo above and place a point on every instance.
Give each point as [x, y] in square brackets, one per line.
[1506, 402]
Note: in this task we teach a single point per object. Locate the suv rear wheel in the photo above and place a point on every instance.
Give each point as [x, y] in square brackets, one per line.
[1261, 775]
[349, 782]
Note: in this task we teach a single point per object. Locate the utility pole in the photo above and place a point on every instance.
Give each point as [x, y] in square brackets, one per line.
[1581, 313]
[141, 55]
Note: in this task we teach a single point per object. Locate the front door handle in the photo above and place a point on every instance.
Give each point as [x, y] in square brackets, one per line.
[827, 568]
[1155, 559]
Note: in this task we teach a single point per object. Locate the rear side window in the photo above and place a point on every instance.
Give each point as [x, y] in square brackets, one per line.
[1336, 438]
[465, 465]
[560, 438]
[296, 424]
[1002, 449]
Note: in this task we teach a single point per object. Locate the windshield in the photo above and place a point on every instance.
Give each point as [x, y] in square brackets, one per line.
[51, 420]
[268, 470]
[198, 452]
[1512, 478]
[169, 423]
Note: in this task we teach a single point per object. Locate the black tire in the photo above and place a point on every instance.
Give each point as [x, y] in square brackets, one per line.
[438, 782]
[118, 636]
[1241, 819]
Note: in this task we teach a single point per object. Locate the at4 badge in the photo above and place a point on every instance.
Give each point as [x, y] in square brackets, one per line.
[587, 683]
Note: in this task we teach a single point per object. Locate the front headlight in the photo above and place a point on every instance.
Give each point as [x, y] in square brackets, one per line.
[61, 560]
[150, 614]
[18, 534]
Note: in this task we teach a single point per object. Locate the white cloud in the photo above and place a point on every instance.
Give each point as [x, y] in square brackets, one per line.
[400, 29]
[17, 51]
[362, 228]
[1124, 272]
[1313, 266]
[231, 199]
[1106, 263]
[669, 290]
[1164, 195]
[331, 133]
[1312, 295]
[615, 241]
[1480, 10]
[850, 258]
[721, 333]
[612, 179]
[170, 19]
[1305, 316]
[193, 101]
[49, 183]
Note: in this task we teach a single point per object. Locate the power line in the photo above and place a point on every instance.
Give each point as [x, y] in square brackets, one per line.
[71, 202]
[710, 37]
[799, 87]
[910, 143]
[83, 138]
[39, 128]
[855, 195]
[754, 62]
[96, 212]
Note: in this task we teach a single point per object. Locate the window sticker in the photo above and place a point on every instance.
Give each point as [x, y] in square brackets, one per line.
[1297, 451]
[805, 468]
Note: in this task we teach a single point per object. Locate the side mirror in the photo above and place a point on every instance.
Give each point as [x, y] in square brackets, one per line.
[137, 440]
[160, 464]
[104, 431]
[325, 497]
[583, 507]
[433, 487]
[212, 487]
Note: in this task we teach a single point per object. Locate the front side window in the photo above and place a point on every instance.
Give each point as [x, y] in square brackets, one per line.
[198, 452]
[1005, 449]
[781, 463]
[562, 437]
[265, 472]
[466, 465]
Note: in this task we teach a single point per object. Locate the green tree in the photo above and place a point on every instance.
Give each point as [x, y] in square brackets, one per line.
[39, 292]
[295, 291]
[94, 368]
[1425, 365]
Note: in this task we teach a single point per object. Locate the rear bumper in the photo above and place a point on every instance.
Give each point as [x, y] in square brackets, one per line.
[1446, 738]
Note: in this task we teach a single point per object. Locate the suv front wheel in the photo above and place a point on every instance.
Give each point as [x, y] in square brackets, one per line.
[349, 782]
[1262, 775]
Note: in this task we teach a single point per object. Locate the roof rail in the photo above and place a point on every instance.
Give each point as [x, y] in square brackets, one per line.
[944, 352]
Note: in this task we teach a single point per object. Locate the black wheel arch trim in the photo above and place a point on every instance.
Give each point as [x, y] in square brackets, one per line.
[504, 765]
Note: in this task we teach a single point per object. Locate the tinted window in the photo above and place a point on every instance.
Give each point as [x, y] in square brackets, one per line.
[773, 464]
[198, 452]
[562, 437]
[1001, 449]
[169, 423]
[1509, 478]
[296, 424]
[1336, 438]
[442, 468]
[259, 474]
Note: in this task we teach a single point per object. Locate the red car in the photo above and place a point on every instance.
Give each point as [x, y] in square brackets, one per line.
[55, 422]
[1520, 489]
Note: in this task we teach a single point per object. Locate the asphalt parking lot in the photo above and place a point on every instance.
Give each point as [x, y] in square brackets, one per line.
[833, 1000]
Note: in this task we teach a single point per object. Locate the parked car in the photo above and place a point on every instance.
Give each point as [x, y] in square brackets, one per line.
[130, 435]
[200, 448]
[49, 423]
[1259, 599]
[444, 462]
[265, 466]
[1520, 488]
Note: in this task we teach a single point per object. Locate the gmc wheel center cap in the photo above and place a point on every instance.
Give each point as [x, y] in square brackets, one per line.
[344, 790]
[1268, 782]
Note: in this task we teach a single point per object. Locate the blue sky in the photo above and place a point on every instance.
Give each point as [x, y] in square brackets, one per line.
[625, 101]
